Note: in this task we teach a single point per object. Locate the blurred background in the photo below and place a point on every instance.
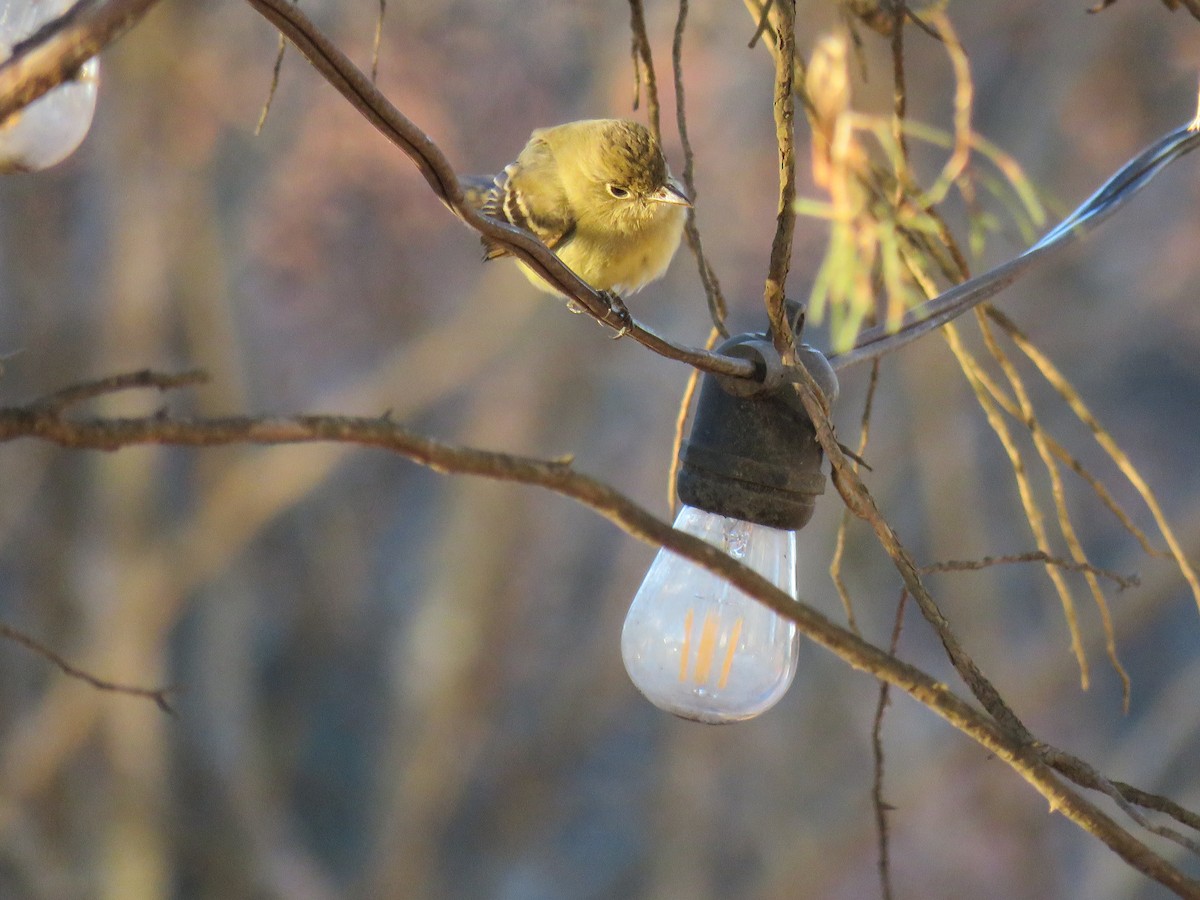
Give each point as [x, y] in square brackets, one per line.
[398, 684]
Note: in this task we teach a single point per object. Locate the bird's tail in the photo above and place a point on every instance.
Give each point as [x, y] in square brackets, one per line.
[484, 193]
[481, 192]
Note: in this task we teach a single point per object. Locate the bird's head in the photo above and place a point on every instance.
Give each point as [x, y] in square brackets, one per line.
[629, 177]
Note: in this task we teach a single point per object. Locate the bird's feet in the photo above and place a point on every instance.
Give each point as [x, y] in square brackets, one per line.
[618, 308]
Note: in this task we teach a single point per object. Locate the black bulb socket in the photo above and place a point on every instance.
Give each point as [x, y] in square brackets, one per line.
[753, 453]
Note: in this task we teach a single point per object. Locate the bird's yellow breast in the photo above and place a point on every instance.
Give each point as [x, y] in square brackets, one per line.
[625, 260]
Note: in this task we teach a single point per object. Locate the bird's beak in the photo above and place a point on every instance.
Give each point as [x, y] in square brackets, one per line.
[671, 192]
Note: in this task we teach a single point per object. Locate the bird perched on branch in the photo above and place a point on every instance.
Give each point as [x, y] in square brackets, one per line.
[598, 193]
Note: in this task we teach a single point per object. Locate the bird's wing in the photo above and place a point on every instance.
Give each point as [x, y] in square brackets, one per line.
[532, 195]
[528, 194]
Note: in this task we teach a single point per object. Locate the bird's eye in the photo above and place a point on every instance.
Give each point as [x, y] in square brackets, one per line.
[617, 191]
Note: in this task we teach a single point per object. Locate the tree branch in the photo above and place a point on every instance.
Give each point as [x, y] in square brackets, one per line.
[717, 308]
[1033, 556]
[158, 695]
[785, 219]
[859, 501]
[336, 68]
[55, 52]
[145, 378]
[640, 51]
[41, 420]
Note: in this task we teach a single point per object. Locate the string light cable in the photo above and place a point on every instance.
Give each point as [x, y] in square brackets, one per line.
[1118, 190]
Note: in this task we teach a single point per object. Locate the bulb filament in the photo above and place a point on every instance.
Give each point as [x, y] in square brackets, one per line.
[706, 648]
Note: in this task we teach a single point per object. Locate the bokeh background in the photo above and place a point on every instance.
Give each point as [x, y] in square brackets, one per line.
[398, 684]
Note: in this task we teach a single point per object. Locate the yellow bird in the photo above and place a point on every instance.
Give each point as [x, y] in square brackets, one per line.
[599, 194]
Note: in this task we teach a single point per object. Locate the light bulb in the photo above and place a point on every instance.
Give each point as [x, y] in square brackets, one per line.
[702, 649]
[48, 130]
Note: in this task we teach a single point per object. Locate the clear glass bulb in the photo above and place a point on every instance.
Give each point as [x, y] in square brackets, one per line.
[48, 130]
[700, 648]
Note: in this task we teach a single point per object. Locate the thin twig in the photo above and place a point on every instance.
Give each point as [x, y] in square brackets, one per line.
[158, 695]
[882, 808]
[1051, 373]
[717, 309]
[1103, 494]
[964, 99]
[1032, 556]
[377, 42]
[145, 378]
[924, 26]
[1192, 6]
[785, 219]
[1005, 737]
[839, 548]
[859, 500]
[643, 67]
[37, 66]
[1086, 776]
[764, 23]
[273, 87]
[899, 93]
[1025, 491]
[685, 405]
[1058, 492]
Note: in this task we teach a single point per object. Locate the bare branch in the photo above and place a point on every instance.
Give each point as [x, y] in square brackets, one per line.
[377, 41]
[642, 57]
[1030, 503]
[681, 418]
[1102, 493]
[899, 92]
[1006, 738]
[1192, 6]
[1066, 526]
[1033, 556]
[882, 808]
[764, 23]
[717, 308]
[859, 500]
[56, 51]
[785, 221]
[1083, 775]
[839, 548]
[158, 695]
[336, 68]
[1126, 797]
[273, 87]
[342, 74]
[89, 390]
[1051, 373]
